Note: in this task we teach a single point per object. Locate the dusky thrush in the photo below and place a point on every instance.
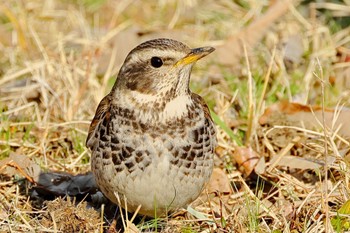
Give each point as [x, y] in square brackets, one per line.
[152, 139]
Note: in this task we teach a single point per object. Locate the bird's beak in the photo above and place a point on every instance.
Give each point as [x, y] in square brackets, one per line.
[194, 55]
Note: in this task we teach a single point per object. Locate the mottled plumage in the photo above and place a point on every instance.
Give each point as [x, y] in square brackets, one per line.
[152, 139]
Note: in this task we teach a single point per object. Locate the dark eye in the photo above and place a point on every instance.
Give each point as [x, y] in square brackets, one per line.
[156, 62]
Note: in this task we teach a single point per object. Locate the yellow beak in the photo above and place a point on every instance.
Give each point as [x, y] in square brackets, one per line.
[194, 55]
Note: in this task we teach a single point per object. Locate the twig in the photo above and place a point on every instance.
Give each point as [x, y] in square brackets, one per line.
[250, 99]
[325, 135]
[266, 81]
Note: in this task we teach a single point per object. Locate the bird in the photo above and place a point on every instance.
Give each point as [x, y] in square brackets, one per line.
[152, 139]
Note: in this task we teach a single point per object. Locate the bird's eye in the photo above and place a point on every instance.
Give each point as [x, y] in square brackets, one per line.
[156, 62]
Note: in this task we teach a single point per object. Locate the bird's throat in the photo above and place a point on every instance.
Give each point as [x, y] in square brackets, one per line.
[161, 110]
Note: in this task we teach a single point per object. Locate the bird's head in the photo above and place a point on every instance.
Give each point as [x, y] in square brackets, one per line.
[158, 68]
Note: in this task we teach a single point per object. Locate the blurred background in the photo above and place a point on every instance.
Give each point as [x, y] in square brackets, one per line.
[59, 58]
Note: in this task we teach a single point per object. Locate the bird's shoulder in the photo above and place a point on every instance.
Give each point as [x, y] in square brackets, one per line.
[200, 101]
[102, 114]
[209, 123]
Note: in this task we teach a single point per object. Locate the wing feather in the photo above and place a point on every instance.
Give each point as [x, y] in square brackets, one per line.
[102, 113]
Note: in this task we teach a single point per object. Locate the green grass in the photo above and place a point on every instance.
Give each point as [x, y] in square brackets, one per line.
[224, 127]
[78, 141]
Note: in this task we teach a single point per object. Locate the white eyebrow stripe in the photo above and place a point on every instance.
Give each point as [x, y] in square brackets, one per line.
[147, 54]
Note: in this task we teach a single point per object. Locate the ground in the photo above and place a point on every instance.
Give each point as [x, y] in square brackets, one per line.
[277, 87]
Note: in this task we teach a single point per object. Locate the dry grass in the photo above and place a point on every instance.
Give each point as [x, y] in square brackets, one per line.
[59, 58]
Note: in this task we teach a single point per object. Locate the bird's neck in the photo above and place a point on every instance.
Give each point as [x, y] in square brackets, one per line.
[156, 109]
[177, 107]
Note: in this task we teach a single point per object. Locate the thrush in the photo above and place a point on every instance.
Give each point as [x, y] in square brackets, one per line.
[152, 140]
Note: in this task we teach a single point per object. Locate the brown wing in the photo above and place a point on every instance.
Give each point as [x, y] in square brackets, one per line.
[102, 113]
[212, 130]
[200, 100]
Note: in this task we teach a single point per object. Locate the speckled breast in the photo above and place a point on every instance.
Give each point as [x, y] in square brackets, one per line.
[160, 166]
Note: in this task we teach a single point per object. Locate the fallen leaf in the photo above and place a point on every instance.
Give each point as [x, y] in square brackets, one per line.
[310, 117]
[246, 158]
[219, 182]
[297, 162]
[197, 214]
[260, 167]
[18, 164]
